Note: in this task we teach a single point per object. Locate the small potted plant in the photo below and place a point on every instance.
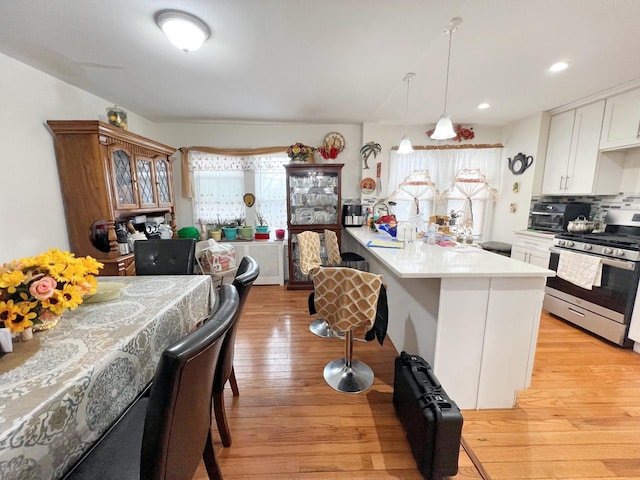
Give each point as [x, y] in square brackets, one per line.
[230, 229]
[261, 223]
[215, 230]
[245, 231]
[453, 216]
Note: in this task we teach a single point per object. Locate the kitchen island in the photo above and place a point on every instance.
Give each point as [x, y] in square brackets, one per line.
[472, 314]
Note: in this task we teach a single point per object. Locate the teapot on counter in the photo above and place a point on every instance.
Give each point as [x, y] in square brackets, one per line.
[520, 163]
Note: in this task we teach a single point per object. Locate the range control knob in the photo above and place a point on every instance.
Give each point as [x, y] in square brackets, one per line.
[587, 247]
[561, 242]
[569, 243]
[619, 253]
[607, 251]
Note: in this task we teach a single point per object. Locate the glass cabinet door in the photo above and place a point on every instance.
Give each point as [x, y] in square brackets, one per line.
[313, 197]
[123, 179]
[163, 181]
[145, 182]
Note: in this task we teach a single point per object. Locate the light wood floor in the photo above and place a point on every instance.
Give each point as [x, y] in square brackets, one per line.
[580, 419]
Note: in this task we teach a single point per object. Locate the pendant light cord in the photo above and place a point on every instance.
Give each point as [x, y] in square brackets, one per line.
[406, 105]
[446, 82]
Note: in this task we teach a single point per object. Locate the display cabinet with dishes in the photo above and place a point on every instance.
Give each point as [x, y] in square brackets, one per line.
[313, 203]
[112, 177]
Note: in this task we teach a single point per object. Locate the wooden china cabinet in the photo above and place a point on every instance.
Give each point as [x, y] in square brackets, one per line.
[109, 175]
[313, 203]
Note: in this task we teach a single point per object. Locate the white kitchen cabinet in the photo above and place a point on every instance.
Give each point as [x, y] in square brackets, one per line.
[621, 125]
[574, 164]
[531, 247]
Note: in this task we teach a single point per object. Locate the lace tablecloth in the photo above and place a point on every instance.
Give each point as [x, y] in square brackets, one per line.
[73, 381]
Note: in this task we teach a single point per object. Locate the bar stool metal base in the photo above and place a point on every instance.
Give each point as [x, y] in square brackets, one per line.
[320, 327]
[348, 379]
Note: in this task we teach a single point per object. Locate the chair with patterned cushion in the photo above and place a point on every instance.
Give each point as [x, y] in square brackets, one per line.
[347, 299]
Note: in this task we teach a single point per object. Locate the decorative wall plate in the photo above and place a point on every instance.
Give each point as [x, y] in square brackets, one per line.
[249, 199]
[368, 185]
[334, 140]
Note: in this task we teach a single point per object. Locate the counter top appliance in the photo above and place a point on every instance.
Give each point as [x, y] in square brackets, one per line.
[607, 309]
[555, 216]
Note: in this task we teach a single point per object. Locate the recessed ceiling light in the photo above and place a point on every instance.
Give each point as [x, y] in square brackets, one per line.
[483, 106]
[184, 30]
[558, 67]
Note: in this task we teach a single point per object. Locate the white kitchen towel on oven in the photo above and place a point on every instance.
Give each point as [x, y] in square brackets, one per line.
[582, 270]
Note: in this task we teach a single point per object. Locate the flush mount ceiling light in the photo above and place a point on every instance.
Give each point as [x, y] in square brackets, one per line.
[483, 106]
[405, 143]
[184, 30]
[559, 66]
[444, 127]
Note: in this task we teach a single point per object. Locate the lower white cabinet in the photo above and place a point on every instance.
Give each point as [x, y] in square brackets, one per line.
[532, 247]
[270, 257]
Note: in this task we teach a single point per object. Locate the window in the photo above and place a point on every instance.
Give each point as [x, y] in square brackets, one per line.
[220, 182]
[463, 178]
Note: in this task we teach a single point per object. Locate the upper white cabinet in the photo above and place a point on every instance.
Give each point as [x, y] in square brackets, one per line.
[574, 164]
[621, 126]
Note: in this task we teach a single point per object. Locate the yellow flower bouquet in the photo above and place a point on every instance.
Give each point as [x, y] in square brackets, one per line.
[36, 289]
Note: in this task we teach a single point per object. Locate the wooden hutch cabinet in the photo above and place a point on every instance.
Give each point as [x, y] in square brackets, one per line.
[313, 203]
[109, 175]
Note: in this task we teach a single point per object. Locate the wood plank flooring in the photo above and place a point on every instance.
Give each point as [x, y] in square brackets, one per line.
[580, 419]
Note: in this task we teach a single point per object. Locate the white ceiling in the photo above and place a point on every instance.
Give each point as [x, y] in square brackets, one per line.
[334, 61]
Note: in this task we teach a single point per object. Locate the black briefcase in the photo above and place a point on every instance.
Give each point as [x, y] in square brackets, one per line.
[432, 420]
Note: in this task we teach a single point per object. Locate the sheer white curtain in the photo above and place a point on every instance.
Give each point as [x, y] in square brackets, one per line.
[443, 166]
[220, 182]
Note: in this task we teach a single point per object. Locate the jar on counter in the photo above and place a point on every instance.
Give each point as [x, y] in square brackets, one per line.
[117, 116]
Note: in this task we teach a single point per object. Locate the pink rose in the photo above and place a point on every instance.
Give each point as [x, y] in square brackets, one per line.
[43, 288]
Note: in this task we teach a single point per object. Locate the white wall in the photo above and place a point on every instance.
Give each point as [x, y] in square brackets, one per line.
[252, 135]
[521, 137]
[32, 215]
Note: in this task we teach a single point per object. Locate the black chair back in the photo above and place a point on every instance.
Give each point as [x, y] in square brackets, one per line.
[156, 256]
[247, 273]
[178, 418]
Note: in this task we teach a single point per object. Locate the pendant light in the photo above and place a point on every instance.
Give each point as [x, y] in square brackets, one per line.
[405, 143]
[444, 127]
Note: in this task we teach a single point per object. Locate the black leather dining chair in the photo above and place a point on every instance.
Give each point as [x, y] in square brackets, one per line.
[247, 273]
[164, 436]
[155, 256]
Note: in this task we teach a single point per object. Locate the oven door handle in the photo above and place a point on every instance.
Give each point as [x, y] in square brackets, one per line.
[610, 262]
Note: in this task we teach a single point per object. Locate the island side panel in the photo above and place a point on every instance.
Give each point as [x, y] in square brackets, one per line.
[461, 327]
[513, 320]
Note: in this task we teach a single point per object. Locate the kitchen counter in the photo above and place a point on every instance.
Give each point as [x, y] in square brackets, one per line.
[419, 260]
[538, 234]
[472, 314]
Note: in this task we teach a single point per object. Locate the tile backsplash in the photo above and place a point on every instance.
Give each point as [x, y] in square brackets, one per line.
[599, 203]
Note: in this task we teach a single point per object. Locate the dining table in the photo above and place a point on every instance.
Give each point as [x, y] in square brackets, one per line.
[60, 391]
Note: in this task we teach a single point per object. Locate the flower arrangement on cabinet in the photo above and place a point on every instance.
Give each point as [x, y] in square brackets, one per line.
[462, 133]
[299, 152]
[36, 289]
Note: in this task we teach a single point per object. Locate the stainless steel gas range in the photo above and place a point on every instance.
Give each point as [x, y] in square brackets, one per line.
[605, 309]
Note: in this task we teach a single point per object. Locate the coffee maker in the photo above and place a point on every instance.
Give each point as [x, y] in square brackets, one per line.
[353, 215]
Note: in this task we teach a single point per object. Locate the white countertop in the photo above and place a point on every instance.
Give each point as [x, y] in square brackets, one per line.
[419, 260]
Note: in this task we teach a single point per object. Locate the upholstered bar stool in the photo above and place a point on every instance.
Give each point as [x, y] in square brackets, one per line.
[347, 299]
[309, 244]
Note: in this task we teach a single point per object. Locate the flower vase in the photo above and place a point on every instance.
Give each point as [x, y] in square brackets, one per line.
[47, 322]
[26, 334]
